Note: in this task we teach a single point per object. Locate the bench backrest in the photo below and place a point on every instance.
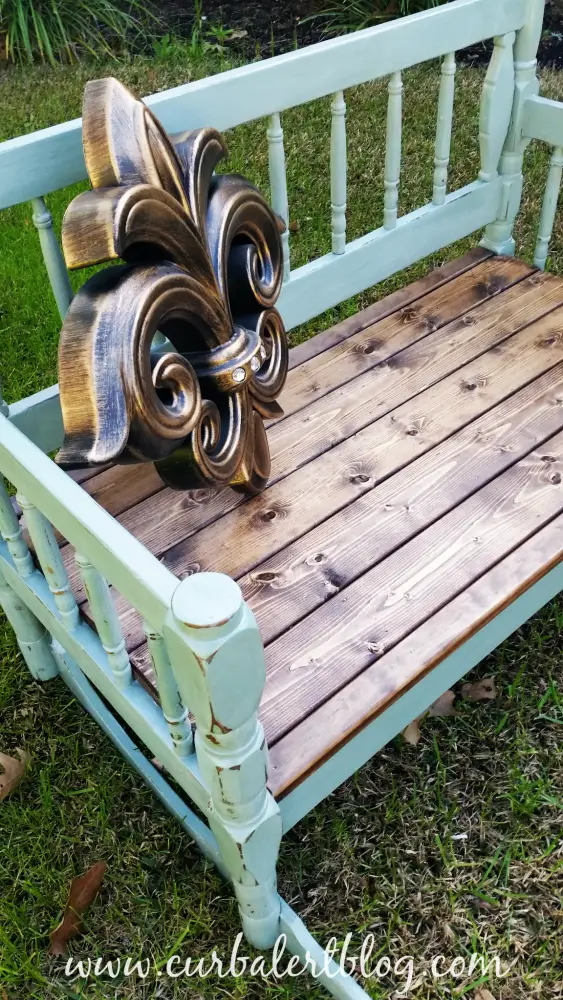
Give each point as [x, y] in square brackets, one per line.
[34, 165]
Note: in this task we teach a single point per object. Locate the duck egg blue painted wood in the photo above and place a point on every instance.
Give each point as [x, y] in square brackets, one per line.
[52, 255]
[91, 701]
[338, 172]
[135, 573]
[393, 150]
[49, 556]
[218, 661]
[106, 620]
[329, 280]
[39, 417]
[133, 703]
[543, 119]
[11, 532]
[496, 106]
[549, 207]
[264, 88]
[33, 639]
[499, 234]
[278, 183]
[175, 713]
[444, 129]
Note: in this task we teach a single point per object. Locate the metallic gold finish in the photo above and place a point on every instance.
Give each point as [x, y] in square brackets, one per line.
[175, 356]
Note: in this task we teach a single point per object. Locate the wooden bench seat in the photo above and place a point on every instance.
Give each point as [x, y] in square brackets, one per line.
[418, 466]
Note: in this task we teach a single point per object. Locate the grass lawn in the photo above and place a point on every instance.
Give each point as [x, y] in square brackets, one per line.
[384, 853]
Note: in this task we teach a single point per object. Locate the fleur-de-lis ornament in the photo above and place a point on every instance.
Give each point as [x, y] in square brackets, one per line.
[177, 355]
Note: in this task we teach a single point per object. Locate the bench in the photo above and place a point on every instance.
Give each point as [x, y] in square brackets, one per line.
[263, 648]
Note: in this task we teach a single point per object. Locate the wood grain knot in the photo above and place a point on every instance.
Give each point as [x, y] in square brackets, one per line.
[548, 458]
[318, 558]
[555, 478]
[408, 314]
[198, 497]
[266, 577]
[190, 570]
[359, 478]
[374, 345]
[550, 341]
[268, 515]
[376, 647]
[469, 320]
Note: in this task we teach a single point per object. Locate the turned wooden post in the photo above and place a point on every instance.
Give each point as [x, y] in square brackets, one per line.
[33, 639]
[218, 661]
[52, 255]
[499, 234]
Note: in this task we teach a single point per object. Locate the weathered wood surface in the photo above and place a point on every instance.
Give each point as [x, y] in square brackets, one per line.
[167, 522]
[332, 724]
[393, 361]
[123, 487]
[318, 656]
[308, 571]
[418, 450]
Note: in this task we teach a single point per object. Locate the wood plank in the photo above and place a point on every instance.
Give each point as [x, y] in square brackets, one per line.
[123, 487]
[321, 654]
[334, 723]
[298, 500]
[167, 519]
[373, 344]
[384, 307]
[120, 487]
[332, 484]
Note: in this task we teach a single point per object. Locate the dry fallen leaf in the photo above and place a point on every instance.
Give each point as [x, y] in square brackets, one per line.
[412, 733]
[294, 226]
[484, 690]
[483, 995]
[444, 706]
[83, 891]
[14, 770]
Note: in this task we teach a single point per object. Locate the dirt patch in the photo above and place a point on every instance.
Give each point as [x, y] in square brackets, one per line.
[271, 27]
[281, 25]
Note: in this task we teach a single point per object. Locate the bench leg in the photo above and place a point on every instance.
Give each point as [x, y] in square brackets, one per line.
[33, 639]
[218, 661]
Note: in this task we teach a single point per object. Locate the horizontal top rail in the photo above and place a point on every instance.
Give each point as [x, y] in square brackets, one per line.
[138, 576]
[543, 120]
[36, 164]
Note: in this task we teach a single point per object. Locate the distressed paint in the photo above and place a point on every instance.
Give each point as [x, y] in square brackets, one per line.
[218, 661]
[91, 701]
[549, 207]
[32, 637]
[138, 576]
[444, 129]
[393, 150]
[338, 172]
[278, 183]
[496, 106]
[499, 234]
[49, 556]
[132, 703]
[11, 532]
[39, 417]
[175, 713]
[263, 88]
[52, 255]
[106, 619]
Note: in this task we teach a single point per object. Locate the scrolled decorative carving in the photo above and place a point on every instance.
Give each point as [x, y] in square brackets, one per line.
[203, 268]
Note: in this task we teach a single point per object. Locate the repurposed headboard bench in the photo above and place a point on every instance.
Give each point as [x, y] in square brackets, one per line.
[413, 517]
